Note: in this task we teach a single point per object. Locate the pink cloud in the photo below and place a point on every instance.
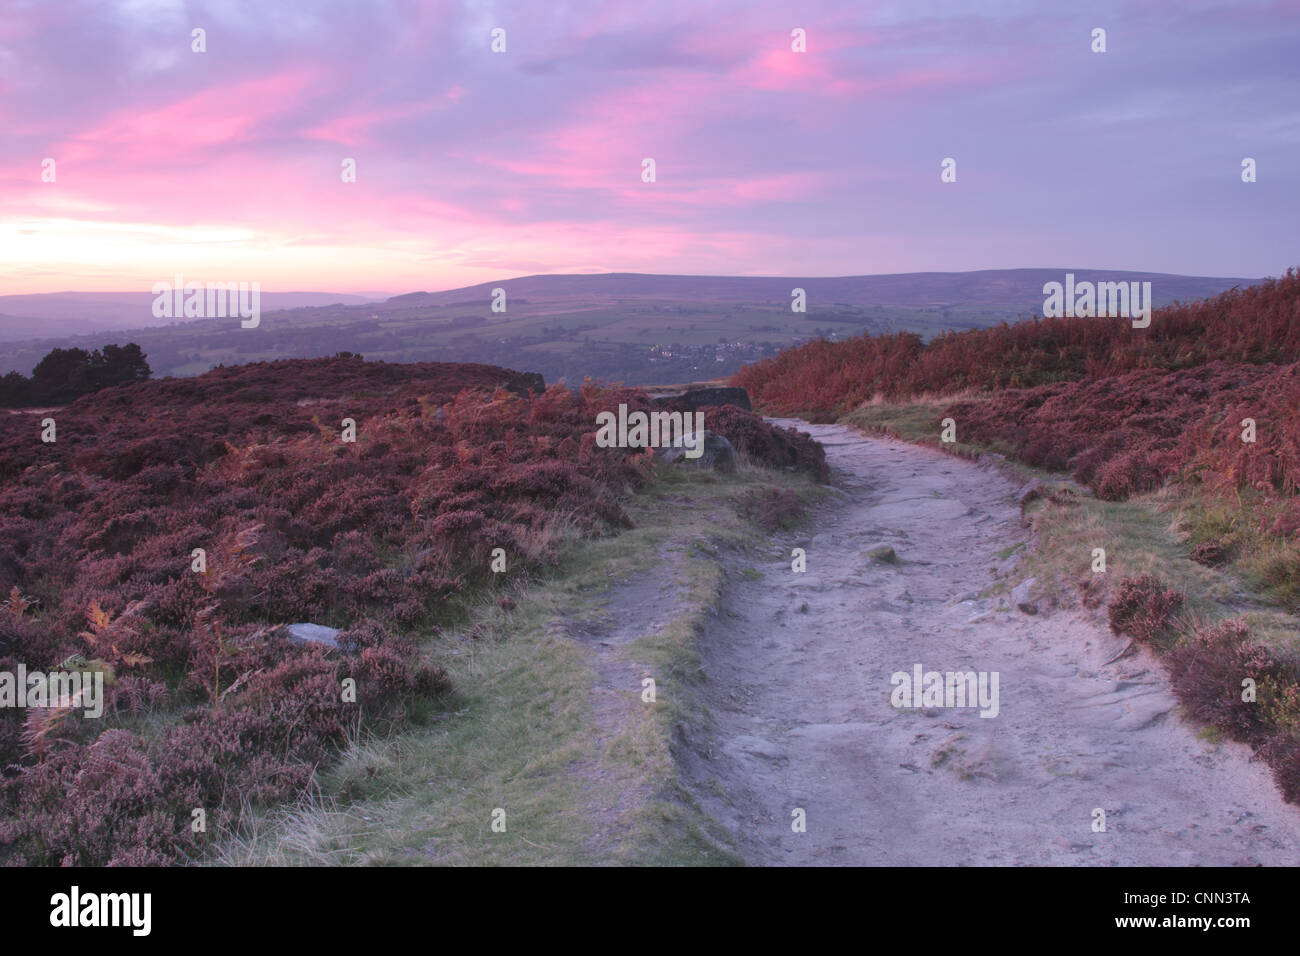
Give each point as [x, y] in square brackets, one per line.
[195, 124]
[787, 70]
[356, 128]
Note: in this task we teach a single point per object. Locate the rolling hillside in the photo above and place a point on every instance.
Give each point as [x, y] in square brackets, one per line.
[642, 329]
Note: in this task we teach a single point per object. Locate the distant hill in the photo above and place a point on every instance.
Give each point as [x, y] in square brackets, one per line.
[999, 289]
[630, 327]
[76, 313]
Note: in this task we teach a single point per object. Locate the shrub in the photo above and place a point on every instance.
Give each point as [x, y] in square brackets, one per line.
[1282, 753]
[1142, 608]
[1210, 553]
[1206, 672]
[768, 444]
[774, 510]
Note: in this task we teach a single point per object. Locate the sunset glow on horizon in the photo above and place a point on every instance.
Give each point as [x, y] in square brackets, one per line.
[474, 165]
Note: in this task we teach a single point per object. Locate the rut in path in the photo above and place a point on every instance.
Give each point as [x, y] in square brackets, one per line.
[798, 686]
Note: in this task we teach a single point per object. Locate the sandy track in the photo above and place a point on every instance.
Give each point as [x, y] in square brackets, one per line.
[800, 701]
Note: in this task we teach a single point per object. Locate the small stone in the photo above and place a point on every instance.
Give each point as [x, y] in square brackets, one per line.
[1020, 593]
[757, 747]
[314, 634]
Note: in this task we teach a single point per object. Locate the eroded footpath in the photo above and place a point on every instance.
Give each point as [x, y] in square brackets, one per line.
[798, 685]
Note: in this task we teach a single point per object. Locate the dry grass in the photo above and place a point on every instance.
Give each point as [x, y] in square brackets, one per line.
[521, 732]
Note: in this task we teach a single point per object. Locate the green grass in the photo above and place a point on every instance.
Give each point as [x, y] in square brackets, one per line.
[523, 731]
[912, 421]
[1241, 526]
[1009, 551]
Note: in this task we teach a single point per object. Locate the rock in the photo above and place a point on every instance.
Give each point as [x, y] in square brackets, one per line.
[525, 383]
[314, 634]
[716, 454]
[1027, 607]
[705, 397]
[883, 554]
[1020, 593]
[756, 747]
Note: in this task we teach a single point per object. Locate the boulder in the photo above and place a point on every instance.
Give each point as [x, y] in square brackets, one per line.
[314, 634]
[525, 383]
[717, 454]
[696, 398]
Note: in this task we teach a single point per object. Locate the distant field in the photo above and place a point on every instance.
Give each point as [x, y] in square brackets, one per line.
[639, 329]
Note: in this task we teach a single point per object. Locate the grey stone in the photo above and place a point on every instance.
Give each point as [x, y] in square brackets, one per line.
[1009, 565]
[883, 554]
[757, 747]
[696, 398]
[1020, 593]
[717, 454]
[314, 634]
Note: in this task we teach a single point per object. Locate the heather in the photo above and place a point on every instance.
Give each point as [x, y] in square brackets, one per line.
[1232, 660]
[386, 538]
[1143, 608]
[822, 380]
[1221, 675]
[1134, 432]
[776, 509]
[1130, 432]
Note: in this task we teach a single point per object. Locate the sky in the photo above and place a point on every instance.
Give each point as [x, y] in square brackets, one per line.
[474, 165]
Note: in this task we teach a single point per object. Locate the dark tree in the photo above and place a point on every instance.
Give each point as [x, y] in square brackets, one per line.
[15, 390]
[65, 374]
[117, 365]
[61, 376]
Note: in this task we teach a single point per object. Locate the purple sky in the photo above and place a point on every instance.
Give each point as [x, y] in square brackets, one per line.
[473, 165]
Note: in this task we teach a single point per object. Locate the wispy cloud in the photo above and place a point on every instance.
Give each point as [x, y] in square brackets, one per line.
[473, 165]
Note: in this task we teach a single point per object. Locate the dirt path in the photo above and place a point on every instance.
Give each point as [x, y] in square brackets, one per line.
[799, 684]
